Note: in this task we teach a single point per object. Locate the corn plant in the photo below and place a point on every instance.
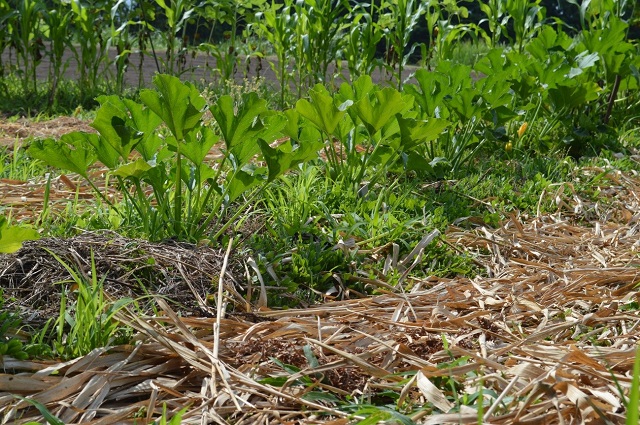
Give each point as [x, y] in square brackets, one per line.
[496, 19]
[177, 14]
[275, 24]
[90, 51]
[6, 14]
[405, 15]
[121, 39]
[26, 32]
[526, 16]
[56, 30]
[319, 29]
[234, 14]
[364, 35]
[444, 19]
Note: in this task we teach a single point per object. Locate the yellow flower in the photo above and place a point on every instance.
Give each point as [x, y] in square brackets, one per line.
[522, 129]
[508, 147]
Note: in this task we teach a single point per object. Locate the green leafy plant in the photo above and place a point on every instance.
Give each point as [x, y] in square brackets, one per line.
[9, 324]
[176, 419]
[89, 322]
[177, 13]
[276, 24]
[168, 185]
[26, 34]
[90, 51]
[232, 14]
[11, 237]
[121, 38]
[319, 28]
[404, 16]
[526, 16]
[6, 15]
[364, 34]
[633, 402]
[56, 29]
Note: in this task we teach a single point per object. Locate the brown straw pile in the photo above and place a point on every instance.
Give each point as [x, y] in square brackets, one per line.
[549, 333]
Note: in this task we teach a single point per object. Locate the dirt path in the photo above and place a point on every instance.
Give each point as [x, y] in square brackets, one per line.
[197, 68]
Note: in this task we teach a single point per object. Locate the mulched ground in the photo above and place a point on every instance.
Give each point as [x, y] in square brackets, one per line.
[17, 131]
[549, 331]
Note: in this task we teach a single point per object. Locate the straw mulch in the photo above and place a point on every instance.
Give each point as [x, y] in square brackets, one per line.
[22, 129]
[549, 332]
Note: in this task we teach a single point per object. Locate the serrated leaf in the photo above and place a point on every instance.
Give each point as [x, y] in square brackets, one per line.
[59, 154]
[179, 105]
[242, 181]
[286, 156]
[321, 110]
[197, 145]
[111, 123]
[388, 102]
[572, 96]
[416, 132]
[240, 129]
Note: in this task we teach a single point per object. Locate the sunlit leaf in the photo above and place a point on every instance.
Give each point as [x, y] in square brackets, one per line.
[61, 155]
[180, 105]
[11, 237]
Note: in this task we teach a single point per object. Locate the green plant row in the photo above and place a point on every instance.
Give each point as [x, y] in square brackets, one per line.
[557, 94]
[306, 41]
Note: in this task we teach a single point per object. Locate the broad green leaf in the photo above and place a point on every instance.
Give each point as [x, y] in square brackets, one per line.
[321, 110]
[146, 122]
[286, 156]
[198, 144]
[301, 130]
[494, 62]
[179, 105]
[430, 92]
[11, 237]
[413, 161]
[241, 129]
[415, 132]
[60, 155]
[243, 181]
[375, 115]
[268, 128]
[105, 152]
[111, 123]
[465, 103]
[500, 115]
[382, 156]
[583, 61]
[127, 125]
[136, 169]
[572, 96]
[495, 90]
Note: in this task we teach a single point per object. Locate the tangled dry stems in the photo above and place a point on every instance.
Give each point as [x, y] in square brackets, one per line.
[550, 333]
